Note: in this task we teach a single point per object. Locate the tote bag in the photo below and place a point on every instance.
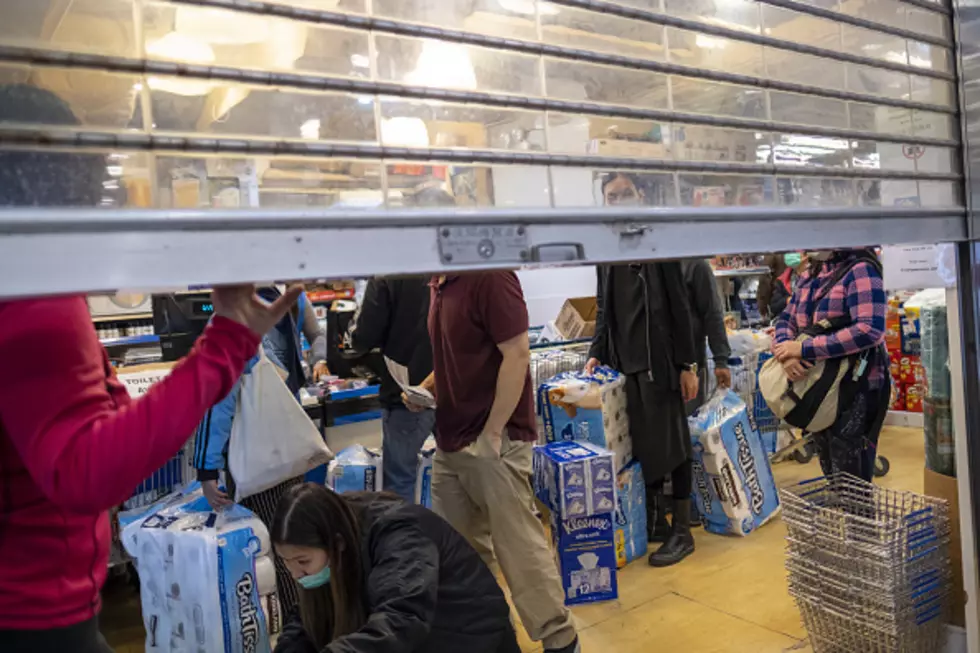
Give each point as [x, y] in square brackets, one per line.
[272, 438]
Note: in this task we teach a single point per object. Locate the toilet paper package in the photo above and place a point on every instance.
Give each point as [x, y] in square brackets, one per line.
[733, 488]
[199, 585]
[575, 479]
[586, 555]
[272, 611]
[589, 408]
[631, 515]
[423, 476]
[355, 469]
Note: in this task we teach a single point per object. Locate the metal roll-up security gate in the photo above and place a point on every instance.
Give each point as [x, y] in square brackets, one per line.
[209, 141]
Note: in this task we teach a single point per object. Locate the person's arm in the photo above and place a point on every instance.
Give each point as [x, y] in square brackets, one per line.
[86, 451]
[401, 589]
[682, 327]
[315, 334]
[867, 306]
[293, 638]
[369, 328]
[503, 312]
[786, 322]
[212, 436]
[708, 305]
[599, 350]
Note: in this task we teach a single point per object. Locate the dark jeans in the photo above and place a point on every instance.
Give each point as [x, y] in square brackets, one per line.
[80, 638]
[851, 444]
[404, 434]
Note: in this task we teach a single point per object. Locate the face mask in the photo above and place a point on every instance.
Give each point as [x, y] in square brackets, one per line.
[792, 259]
[316, 580]
[626, 201]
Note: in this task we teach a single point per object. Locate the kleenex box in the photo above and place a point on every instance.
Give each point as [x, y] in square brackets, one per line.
[575, 479]
[586, 554]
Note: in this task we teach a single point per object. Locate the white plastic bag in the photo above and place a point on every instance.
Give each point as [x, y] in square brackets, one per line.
[272, 438]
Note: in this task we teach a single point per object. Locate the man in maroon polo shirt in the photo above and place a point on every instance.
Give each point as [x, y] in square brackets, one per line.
[485, 427]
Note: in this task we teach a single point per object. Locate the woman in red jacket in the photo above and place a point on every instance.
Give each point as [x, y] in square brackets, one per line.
[72, 442]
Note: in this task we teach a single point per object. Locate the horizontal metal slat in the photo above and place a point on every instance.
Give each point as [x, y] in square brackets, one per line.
[56, 137]
[169, 249]
[617, 9]
[470, 38]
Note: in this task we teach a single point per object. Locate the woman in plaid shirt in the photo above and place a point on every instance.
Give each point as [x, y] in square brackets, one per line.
[858, 297]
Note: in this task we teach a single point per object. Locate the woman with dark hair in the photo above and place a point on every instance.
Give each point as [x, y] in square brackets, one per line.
[840, 301]
[378, 574]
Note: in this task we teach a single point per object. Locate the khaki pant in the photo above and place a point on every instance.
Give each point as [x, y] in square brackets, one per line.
[489, 500]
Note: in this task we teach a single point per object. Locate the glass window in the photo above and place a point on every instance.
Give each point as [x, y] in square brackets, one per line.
[725, 190]
[440, 64]
[715, 98]
[702, 143]
[733, 14]
[934, 91]
[205, 35]
[877, 81]
[608, 136]
[434, 184]
[510, 18]
[264, 112]
[577, 28]
[806, 150]
[884, 120]
[714, 52]
[92, 26]
[807, 109]
[885, 12]
[348, 6]
[584, 82]
[800, 28]
[615, 187]
[815, 191]
[426, 123]
[875, 45]
[788, 66]
[927, 22]
[926, 55]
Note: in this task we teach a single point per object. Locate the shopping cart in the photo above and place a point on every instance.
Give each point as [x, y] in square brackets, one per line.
[745, 383]
[868, 567]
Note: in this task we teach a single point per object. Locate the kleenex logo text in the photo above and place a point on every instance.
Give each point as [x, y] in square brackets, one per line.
[585, 523]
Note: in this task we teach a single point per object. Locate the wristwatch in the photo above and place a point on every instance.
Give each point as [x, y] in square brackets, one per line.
[689, 367]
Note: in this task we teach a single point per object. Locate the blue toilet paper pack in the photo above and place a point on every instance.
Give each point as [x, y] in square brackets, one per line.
[575, 406]
[586, 556]
[355, 469]
[575, 479]
[733, 488]
[423, 476]
[631, 515]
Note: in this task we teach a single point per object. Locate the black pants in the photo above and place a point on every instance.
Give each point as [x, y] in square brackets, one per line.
[681, 481]
[851, 444]
[80, 638]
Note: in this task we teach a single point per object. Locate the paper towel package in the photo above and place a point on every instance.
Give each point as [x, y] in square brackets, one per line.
[590, 408]
[423, 477]
[586, 554]
[355, 469]
[575, 479]
[631, 515]
[734, 488]
[198, 583]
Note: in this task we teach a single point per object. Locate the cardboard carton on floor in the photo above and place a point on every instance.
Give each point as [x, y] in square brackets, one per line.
[944, 487]
[577, 318]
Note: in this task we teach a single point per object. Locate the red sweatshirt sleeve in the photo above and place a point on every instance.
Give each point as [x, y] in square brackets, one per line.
[86, 446]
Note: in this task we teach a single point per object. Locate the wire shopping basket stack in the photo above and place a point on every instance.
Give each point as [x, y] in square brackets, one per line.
[868, 567]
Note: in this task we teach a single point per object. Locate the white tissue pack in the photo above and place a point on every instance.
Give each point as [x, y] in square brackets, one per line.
[203, 575]
[355, 469]
[733, 488]
[575, 406]
[575, 479]
[423, 475]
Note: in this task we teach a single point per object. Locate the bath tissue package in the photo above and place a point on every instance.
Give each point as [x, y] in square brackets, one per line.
[199, 585]
[589, 408]
[631, 515]
[586, 555]
[733, 488]
[575, 479]
[355, 469]
[423, 476]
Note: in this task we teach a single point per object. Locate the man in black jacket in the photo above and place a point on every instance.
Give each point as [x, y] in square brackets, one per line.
[392, 318]
[708, 319]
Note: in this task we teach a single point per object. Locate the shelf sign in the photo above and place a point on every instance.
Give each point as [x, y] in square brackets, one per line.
[139, 378]
[918, 267]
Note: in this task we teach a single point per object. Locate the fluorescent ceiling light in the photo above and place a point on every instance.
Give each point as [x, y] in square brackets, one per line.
[443, 64]
[310, 129]
[404, 132]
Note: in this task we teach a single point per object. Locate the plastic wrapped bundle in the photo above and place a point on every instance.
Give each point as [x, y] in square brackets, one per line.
[355, 469]
[929, 306]
[940, 445]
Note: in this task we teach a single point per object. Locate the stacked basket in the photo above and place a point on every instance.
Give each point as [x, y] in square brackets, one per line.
[868, 567]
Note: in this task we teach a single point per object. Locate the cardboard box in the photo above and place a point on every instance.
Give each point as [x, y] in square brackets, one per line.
[575, 479]
[586, 555]
[577, 318]
[631, 515]
[575, 406]
[944, 487]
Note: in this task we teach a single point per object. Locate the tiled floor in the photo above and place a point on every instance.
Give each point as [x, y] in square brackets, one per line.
[729, 596]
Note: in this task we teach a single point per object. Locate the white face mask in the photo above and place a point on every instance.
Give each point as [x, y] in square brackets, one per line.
[631, 201]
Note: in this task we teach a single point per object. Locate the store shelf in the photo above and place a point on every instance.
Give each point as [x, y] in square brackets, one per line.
[129, 341]
[742, 272]
[154, 249]
[97, 319]
[355, 393]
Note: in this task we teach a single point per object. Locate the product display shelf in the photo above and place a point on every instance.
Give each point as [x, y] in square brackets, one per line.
[129, 341]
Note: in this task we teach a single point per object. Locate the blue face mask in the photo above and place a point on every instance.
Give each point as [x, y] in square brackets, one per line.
[316, 580]
[792, 259]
